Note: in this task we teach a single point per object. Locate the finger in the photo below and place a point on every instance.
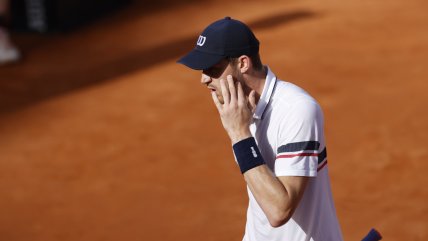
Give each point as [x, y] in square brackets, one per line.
[241, 95]
[216, 100]
[252, 100]
[232, 89]
[224, 91]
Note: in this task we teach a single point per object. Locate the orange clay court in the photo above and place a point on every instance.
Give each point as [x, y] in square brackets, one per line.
[104, 137]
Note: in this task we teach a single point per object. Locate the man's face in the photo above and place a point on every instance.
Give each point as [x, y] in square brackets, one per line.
[211, 77]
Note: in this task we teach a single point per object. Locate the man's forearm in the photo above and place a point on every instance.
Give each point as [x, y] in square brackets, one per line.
[270, 194]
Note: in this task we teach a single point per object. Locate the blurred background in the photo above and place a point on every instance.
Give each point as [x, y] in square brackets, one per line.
[104, 137]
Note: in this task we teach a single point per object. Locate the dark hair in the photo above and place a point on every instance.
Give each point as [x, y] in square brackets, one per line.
[255, 60]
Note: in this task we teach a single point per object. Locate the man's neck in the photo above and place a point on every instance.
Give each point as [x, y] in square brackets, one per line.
[257, 81]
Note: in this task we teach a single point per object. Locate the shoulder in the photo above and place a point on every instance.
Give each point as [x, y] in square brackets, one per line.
[290, 98]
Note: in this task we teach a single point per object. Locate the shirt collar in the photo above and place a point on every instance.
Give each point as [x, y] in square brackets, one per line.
[266, 94]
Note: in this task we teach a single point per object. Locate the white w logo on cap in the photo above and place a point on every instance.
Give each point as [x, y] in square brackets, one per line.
[201, 40]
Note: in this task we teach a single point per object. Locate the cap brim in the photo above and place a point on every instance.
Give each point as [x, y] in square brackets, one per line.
[198, 60]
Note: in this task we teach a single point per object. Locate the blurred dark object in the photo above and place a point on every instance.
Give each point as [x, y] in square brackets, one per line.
[59, 15]
[373, 235]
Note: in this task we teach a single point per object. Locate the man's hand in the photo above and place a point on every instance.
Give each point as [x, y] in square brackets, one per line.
[236, 112]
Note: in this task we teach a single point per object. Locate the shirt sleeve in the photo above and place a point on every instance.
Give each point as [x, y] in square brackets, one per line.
[299, 140]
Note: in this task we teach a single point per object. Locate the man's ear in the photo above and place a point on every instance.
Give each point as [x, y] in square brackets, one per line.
[244, 63]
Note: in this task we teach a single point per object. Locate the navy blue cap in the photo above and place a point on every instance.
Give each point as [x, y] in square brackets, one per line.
[226, 37]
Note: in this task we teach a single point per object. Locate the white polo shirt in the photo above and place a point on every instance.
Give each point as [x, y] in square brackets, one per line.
[289, 129]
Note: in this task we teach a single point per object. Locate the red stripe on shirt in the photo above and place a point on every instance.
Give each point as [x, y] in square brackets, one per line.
[322, 165]
[299, 154]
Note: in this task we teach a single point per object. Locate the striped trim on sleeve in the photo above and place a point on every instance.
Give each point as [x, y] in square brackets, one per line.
[301, 149]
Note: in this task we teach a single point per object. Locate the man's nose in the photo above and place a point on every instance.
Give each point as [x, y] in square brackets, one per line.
[205, 79]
